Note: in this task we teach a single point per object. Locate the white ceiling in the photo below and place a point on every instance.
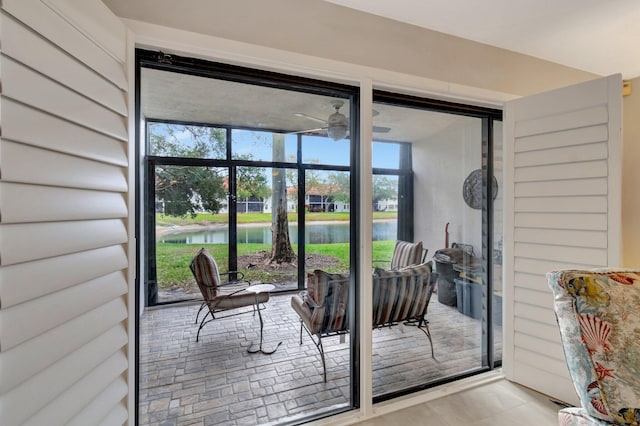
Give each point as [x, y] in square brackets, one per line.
[598, 36]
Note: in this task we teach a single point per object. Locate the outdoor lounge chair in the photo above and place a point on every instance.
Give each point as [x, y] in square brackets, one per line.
[398, 297]
[406, 254]
[219, 296]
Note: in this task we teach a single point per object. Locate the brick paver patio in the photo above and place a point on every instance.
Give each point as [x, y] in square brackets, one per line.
[217, 382]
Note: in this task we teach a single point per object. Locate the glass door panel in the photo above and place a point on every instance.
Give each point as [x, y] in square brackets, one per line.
[266, 205]
[420, 170]
[191, 212]
[258, 136]
[498, 237]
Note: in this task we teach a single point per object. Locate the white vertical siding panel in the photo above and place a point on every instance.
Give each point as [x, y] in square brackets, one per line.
[562, 254]
[533, 297]
[95, 384]
[64, 214]
[539, 378]
[54, 169]
[32, 127]
[561, 121]
[587, 221]
[540, 329]
[558, 188]
[528, 280]
[47, 385]
[575, 204]
[34, 355]
[536, 266]
[102, 406]
[563, 237]
[24, 85]
[117, 416]
[564, 158]
[96, 22]
[29, 280]
[563, 155]
[536, 313]
[33, 203]
[26, 242]
[568, 137]
[552, 365]
[26, 47]
[51, 25]
[27, 320]
[562, 171]
[541, 346]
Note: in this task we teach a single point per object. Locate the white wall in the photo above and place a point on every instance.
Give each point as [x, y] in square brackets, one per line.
[441, 163]
[631, 178]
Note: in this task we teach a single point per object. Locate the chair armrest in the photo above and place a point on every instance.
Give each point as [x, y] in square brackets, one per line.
[239, 275]
[304, 296]
[231, 288]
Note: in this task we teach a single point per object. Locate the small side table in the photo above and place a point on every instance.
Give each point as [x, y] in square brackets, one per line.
[257, 289]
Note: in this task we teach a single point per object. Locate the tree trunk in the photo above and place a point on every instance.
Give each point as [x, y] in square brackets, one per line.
[281, 251]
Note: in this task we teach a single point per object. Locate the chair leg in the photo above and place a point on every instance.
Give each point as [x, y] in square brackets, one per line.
[200, 310]
[424, 326]
[318, 345]
[321, 350]
[203, 323]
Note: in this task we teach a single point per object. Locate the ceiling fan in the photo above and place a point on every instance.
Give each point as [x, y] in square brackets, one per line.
[337, 123]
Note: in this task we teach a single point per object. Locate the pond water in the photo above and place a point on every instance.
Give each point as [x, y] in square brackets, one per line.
[325, 233]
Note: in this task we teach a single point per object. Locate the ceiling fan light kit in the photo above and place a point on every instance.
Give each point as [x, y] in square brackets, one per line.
[337, 132]
[337, 124]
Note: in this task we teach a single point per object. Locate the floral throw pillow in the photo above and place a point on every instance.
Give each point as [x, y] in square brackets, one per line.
[599, 318]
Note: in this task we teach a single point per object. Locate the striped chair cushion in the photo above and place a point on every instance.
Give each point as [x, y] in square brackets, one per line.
[401, 295]
[329, 294]
[406, 254]
[219, 296]
[205, 271]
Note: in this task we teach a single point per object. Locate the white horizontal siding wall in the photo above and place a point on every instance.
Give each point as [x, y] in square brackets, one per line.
[563, 191]
[64, 210]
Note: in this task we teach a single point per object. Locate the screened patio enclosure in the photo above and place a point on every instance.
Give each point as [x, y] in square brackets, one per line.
[262, 170]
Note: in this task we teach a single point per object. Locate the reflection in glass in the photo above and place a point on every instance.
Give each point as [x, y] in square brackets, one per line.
[188, 141]
[258, 146]
[435, 156]
[325, 151]
[181, 194]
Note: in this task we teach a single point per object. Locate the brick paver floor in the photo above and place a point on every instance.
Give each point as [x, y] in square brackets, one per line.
[217, 382]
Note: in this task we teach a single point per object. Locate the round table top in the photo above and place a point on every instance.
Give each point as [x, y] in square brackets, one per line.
[261, 288]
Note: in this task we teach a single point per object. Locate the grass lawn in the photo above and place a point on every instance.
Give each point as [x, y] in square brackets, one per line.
[172, 260]
[208, 218]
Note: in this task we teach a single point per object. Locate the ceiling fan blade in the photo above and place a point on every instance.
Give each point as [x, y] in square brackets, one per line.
[308, 130]
[380, 129]
[311, 117]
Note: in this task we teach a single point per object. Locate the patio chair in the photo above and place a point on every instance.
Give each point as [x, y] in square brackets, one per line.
[219, 296]
[406, 254]
[398, 297]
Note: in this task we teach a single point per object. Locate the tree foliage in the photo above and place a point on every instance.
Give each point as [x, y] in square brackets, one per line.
[339, 186]
[252, 182]
[187, 190]
[384, 188]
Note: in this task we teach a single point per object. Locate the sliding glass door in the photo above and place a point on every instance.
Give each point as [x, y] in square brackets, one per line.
[430, 165]
[257, 169]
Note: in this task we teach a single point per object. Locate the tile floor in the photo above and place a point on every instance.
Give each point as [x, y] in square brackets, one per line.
[500, 403]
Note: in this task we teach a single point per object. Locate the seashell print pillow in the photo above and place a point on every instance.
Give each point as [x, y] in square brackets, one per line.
[598, 314]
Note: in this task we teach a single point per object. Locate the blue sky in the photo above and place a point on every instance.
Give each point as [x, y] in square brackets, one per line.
[315, 149]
